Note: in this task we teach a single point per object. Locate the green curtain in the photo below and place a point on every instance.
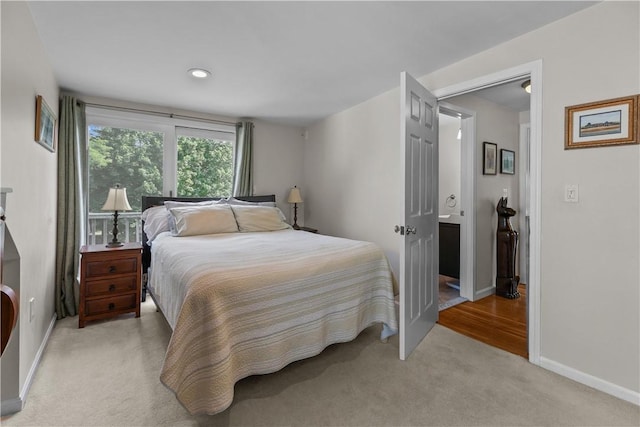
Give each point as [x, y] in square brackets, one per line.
[243, 164]
[72, 161]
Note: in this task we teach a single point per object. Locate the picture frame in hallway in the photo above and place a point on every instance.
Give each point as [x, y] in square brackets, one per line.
[45, 133]
[602, 123]
[490, 158]
[507, 162]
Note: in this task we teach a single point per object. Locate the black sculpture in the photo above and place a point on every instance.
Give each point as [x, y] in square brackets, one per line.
[507, 242]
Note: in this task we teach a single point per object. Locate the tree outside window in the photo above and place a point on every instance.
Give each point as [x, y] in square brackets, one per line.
[205, 167]
[128, 157]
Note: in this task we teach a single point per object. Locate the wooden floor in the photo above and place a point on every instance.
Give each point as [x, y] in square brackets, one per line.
[494, 320]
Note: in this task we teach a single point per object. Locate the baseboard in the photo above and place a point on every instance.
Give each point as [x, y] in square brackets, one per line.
[591, 381]
[36, 363]
[490, 290]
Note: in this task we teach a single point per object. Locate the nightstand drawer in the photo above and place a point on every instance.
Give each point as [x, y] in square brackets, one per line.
[107, 305]
[113, 286]
[114, 266]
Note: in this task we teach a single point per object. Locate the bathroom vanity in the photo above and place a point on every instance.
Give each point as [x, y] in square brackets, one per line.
[450, 245]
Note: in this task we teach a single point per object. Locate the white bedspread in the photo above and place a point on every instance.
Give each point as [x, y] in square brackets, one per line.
[251, 303]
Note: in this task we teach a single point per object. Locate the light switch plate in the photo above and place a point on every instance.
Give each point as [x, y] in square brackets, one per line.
[571, 193]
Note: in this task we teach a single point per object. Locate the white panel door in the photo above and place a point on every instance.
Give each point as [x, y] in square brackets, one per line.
[419, 249]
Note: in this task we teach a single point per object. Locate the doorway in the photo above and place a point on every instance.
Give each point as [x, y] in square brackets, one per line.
[501, 109]
[449, 208]
[533, 71]
[455, 205]
[411, 104]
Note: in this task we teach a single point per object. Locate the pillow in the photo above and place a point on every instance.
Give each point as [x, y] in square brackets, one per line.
[198, 220]
[238, 202]
[259, 218]
[156, 220]
[175, 204]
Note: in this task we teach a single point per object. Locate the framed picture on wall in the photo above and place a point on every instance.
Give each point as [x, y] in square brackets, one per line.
[507, 162]
[490, 158]
[602, 123]
[45, 134]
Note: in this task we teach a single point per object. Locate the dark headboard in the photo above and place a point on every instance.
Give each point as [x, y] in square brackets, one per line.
[149, 201]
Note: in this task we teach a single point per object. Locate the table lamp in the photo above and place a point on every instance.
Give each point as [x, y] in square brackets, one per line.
[294, 197]
[116, 201]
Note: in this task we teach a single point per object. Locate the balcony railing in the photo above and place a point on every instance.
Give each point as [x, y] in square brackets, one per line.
[101, 225]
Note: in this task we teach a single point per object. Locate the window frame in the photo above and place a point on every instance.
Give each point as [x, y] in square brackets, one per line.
[171, 128]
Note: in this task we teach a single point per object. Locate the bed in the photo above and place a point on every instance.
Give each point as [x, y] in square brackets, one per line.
[251, 302]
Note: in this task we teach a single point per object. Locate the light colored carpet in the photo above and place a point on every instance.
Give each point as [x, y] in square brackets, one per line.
[107, 374]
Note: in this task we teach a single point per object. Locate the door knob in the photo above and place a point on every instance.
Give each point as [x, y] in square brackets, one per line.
[411, 229]
[399, 229]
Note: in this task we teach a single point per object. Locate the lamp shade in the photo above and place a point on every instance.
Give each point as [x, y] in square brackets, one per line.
[294, 196]
[117, 200]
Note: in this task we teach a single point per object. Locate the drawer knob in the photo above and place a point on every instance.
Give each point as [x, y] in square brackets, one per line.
[111, 306]
[112, 269]
[112, 288]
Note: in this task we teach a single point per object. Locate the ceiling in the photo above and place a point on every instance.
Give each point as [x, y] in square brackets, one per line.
[510, 95]
[285, 62]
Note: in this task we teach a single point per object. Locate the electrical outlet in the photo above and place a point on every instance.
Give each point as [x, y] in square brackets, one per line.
[32, 313]
[571, 193]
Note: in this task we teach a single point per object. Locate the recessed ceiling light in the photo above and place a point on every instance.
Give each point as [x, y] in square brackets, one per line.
[527, 86]
[199, 73]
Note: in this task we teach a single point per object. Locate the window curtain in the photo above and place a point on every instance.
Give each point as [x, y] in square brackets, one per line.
[72, 161]
[243, 164]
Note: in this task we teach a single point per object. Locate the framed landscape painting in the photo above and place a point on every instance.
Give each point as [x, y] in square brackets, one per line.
[45, 134]
[610, 122]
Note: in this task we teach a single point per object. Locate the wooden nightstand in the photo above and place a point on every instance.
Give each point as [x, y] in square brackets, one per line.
[110, 280]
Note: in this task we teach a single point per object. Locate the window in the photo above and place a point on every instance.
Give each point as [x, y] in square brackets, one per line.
[205, 164]
[151, 155]
[132, 158]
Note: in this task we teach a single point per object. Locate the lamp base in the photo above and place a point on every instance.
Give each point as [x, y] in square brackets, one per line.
[114, 242]
[295, 217]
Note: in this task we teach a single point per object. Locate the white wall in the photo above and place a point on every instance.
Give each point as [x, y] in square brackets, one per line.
[352, 172]
[278, 162]
[590, 321]
[31, 171]
[449, 172]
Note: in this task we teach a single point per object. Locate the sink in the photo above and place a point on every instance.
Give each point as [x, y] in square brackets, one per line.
[452, 218]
